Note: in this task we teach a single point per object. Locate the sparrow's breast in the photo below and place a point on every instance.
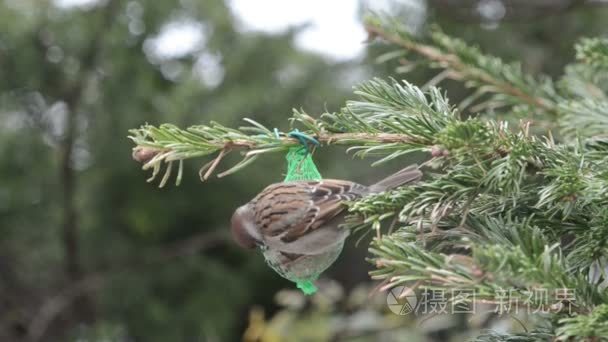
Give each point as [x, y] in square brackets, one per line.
[296, 267]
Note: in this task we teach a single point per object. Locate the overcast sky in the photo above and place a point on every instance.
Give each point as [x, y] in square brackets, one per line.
[334, 27]
[334, 31]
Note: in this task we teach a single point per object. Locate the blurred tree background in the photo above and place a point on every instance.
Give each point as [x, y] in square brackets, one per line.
[88, 249]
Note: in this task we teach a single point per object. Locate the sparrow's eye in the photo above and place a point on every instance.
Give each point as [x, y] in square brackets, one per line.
[241, 224]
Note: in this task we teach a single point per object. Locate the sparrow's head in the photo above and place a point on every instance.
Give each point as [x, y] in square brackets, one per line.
[243, 228]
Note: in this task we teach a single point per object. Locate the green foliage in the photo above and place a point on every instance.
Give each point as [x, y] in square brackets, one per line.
[585, 326]
[506, 208]
[506, 84]
[530, 336]
[163, 261]
[156, 263]
[593, 51]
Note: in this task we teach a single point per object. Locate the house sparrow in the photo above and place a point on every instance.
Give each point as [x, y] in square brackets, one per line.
[297, 224]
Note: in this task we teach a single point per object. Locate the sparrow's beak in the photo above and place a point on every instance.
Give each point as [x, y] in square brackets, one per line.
[244, 231]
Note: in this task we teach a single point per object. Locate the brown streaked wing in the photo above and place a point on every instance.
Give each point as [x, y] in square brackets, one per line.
[281, 206]
[327, 198]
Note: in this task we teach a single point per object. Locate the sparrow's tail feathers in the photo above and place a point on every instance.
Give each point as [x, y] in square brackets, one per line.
[407, 175]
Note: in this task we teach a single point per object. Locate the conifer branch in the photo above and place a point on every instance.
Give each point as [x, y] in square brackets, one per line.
[541, 334]
[391, 119]
[466, 63]
[588, 326]
[168, 144]
[593, 51]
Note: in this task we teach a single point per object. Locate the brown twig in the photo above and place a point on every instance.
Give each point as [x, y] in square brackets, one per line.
[329, 139]
[338, 138]
[152, 156]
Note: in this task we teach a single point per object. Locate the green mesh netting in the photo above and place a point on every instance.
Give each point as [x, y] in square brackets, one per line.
[300, 165]
[307, 287]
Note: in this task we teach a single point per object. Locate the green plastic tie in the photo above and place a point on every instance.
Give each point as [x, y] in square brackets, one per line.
[304, 139]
